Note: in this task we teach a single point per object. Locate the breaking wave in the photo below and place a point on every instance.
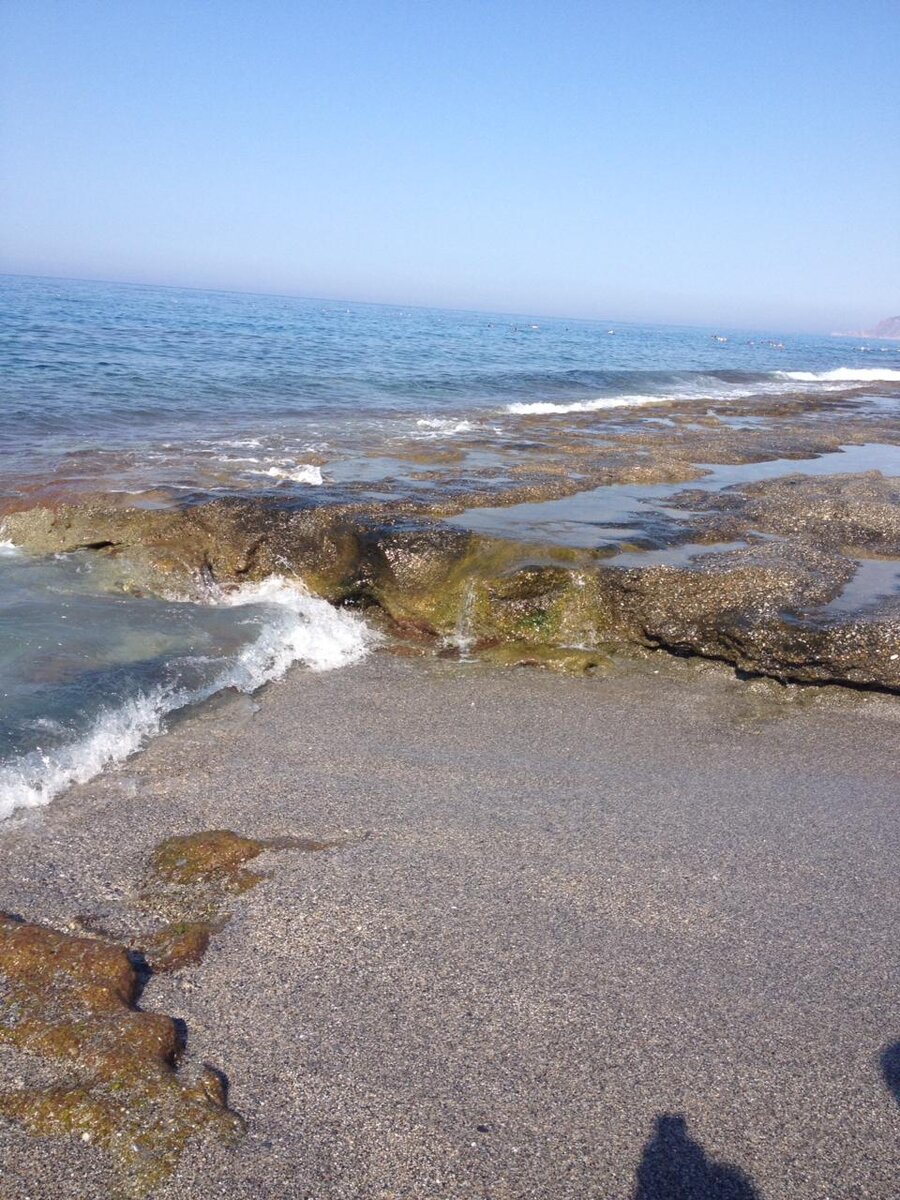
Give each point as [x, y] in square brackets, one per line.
[844, 375]
[546, 406]
[716, 388]
[441, 426]
[307, 473]
[298, 628]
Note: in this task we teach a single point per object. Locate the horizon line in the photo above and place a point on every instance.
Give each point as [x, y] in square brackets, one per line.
[221, 291]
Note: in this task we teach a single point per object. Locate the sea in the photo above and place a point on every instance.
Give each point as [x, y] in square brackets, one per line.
[168, 395]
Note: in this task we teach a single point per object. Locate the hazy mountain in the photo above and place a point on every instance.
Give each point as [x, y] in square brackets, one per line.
[888, 328]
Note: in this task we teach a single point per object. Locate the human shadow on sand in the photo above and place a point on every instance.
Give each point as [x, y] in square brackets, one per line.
[890, 1069]
[675, 1167]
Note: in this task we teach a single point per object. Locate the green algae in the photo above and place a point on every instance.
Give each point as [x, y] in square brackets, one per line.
[214, 856]
[72, 1001]
[449, 584]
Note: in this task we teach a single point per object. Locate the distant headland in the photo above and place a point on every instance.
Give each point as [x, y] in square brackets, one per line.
[888, 328]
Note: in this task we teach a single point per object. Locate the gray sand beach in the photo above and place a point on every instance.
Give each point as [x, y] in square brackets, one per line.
[627, 937]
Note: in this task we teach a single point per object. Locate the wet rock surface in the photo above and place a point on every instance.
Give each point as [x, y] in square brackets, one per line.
[796, 541]
[844, 513]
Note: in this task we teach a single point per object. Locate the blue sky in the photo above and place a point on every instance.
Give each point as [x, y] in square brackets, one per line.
[672, 161]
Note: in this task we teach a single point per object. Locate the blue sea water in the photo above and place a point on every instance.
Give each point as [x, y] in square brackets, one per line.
[145, 390]
[102, 367]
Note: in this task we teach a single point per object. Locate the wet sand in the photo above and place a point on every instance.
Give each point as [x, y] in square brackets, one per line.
[626, 937]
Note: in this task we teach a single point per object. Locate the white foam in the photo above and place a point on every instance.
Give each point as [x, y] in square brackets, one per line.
[9, 550]
[300, 628]
[440, 426]
[844, 375]
[306, 473]
[546, 406]
[304, 629]
[35, 778]
[780, 383]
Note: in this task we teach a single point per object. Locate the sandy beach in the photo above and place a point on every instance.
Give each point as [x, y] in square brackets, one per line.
[627, 937]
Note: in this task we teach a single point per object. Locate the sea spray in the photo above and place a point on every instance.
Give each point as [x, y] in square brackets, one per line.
[463, 637]
[843, 375]
[297, 628]
[435, 427]
[304, 629]
[304, 473]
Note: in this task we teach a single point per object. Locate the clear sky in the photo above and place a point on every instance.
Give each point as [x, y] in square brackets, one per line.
[711, 162]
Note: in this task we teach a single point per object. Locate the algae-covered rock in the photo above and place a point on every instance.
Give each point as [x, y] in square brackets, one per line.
[177, 944]
[213, 856]
[421, 577]
[543, 605]
[72, 1001]
[762, 609]
[454, 584]
[196, 872]
[226, 541]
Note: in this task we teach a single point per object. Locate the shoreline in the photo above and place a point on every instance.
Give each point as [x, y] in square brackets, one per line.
[567, 912]
[759, 531]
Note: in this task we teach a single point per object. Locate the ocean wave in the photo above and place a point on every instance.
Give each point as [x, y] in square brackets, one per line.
[304, 629]
[715, 388]
[546, 406]
[9, 549]
[300, 628]
[843, 375]
[35, 778]
[306, 473]
[440, 426]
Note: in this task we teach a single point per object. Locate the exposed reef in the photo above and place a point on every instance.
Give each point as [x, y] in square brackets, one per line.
[762, 606]
[72, 1001]
[847, 514]
[778, 553]
[120, 1080]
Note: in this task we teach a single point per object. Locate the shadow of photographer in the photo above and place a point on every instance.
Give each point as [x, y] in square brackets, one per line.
[676, 1167]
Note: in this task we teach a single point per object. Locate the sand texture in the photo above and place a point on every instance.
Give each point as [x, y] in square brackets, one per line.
[630, 937]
